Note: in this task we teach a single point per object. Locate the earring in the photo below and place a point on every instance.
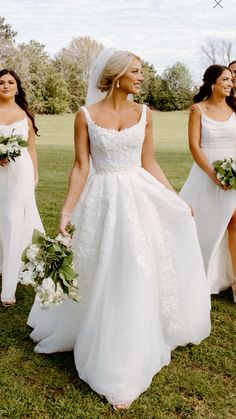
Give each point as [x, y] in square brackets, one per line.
[117, 84]
[16, 93]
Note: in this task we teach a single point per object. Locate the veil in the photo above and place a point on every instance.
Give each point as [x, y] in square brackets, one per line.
[94, 95]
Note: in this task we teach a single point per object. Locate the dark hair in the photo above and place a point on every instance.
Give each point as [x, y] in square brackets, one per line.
[20, 98]
[232, 62]
[209, 78]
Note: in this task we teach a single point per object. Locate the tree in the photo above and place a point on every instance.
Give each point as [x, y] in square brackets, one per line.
[176, 86]
[218, 51]
[37, 60]
[6, 32]
[82, 53]
[150, 86]
[55, 94]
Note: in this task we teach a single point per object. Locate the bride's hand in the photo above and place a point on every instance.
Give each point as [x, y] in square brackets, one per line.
[64, 221]
[4, 162]
[191, 209]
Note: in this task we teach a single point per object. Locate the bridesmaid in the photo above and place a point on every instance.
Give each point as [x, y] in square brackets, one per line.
[212, 136]
[18, 211]
[232, 67]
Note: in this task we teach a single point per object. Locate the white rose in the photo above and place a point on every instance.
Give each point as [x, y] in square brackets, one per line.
[40, 267]
[27, 278]
[32, 252]
[3, 149]
[48, 284]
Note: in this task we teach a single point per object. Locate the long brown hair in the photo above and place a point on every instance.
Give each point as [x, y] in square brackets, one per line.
[20, 98]
[209, 78]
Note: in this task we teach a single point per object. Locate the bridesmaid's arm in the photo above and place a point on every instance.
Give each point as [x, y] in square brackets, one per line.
[80, 169]
[148, 155]
[194, 134]
[32, 151]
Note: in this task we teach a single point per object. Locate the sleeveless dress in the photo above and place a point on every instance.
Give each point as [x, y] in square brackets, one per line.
[141, 275]
[213, 207]
[18, 211]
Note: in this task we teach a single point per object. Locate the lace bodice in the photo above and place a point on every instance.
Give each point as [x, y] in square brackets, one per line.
[113, 150]
[217, 134]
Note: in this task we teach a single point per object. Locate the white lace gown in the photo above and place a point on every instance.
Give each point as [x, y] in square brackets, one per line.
[142, 281]
[212, 205]
[18, 211]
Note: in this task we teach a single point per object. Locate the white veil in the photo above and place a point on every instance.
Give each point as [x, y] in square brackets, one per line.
[94, 95]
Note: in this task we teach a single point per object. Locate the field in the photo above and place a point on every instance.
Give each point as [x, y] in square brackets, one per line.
[200, 382]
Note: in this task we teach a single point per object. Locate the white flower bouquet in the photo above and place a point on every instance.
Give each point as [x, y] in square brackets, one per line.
[226, 172]
[48, 268]
[10, 147]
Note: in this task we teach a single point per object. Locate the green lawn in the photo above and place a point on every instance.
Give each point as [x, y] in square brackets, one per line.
[200, 382]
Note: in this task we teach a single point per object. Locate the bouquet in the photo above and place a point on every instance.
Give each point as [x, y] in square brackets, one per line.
[226, 172]
[48, 268]
[10, 147]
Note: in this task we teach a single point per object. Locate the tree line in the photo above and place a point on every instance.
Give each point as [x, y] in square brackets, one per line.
[59, 84]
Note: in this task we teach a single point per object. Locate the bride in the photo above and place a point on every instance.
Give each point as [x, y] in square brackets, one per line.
[141, 276]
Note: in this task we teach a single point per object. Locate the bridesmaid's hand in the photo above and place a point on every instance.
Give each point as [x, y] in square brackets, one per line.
[215, 179]
[64, 221]
[4, 162]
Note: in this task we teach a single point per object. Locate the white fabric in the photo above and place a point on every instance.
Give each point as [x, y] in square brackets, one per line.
[18, 211]
[213, 206]
[141, 276]
[94, 95]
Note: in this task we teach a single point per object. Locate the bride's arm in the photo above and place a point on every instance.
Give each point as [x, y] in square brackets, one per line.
[80, 169]
[148, 155]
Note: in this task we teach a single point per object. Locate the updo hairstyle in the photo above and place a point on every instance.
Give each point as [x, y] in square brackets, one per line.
[115, 68]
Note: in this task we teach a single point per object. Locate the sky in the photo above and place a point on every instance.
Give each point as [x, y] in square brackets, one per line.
[159, 31]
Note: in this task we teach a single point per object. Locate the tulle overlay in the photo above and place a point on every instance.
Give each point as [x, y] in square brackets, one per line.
[142, 279]
[213, 206]
[18, 211]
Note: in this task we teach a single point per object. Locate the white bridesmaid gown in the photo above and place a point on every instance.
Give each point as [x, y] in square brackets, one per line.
[18, 211]
[213, 207]
[141, 275]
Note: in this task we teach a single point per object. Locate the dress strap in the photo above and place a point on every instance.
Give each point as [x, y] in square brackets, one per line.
[143, 114]
[87, 114]
[199, 106]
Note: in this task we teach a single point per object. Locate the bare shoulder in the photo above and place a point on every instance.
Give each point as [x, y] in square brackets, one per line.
[197, 108]
[80, 118]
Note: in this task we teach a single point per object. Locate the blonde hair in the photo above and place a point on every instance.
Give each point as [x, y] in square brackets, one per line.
[115, 68]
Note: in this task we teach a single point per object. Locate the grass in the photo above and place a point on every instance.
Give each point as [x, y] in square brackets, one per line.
[199, 382]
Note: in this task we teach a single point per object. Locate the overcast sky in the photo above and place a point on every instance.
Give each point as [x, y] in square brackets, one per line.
[160, 31]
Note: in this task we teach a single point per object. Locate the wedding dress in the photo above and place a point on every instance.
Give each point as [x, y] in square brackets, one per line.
[213, 207]
[18, 212]
[141, 276]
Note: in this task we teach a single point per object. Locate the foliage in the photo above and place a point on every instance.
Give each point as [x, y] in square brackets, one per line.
[56, 85]
[150, 86]
[6, 31]
[176, 88]
[48, 268]
[10, 146]
[226, 172]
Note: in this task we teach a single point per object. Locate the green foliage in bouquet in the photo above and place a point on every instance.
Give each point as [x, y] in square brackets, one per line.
[10, 147]
[226, 172]
[48, 267]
